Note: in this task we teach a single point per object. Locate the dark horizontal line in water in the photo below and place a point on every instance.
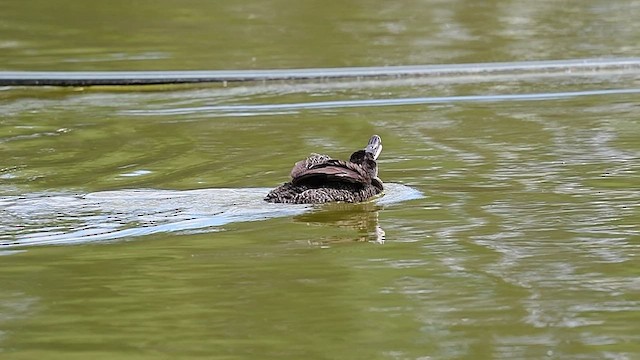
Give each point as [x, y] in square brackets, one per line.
[230, 109]
[119, 78]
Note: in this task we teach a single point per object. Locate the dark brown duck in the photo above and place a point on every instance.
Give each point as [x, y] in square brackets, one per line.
[320, 179]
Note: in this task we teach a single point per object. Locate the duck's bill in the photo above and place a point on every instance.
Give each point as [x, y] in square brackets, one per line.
[374, 147]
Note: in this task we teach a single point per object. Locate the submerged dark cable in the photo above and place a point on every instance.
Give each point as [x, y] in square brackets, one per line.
[118, 78]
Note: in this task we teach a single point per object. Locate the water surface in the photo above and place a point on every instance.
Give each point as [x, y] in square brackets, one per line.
[131, 222]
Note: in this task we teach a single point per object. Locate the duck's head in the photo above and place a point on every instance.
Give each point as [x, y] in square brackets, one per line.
[368, 156]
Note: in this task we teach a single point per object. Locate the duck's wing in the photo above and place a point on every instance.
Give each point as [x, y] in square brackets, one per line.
[303, 165]
[331, 170]
[298, 169]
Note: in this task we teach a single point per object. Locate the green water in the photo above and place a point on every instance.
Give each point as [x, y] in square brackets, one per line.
[131, 222]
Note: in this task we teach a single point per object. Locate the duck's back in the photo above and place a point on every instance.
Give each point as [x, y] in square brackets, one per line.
[329, 171]
[320, 179]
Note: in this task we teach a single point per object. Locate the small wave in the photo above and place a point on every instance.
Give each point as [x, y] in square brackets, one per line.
[263, 109]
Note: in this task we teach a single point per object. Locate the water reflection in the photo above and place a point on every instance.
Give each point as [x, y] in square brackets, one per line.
[363, 218]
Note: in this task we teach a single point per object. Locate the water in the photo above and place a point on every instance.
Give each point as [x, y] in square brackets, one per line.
[131, 224]
[112, 215]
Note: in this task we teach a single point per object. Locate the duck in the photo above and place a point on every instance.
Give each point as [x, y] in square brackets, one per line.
[321, 179]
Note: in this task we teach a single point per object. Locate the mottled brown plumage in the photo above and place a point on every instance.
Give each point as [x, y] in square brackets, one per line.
[321, 179]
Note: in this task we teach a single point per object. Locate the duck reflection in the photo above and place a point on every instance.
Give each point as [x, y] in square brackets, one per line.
[362, 217]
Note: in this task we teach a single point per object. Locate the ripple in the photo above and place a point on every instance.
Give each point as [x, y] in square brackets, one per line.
[264, 109]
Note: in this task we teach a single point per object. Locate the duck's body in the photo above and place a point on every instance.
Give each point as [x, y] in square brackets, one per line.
[321, 179]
